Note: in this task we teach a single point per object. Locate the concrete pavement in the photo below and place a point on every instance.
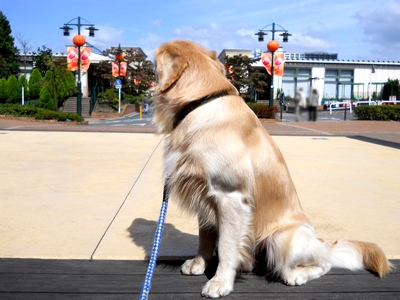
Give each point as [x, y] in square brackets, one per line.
[97, 194]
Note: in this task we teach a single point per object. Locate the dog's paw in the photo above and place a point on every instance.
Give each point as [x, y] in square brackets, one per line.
[301, 275]
[194, 266]
[216, 288]
[298, 279]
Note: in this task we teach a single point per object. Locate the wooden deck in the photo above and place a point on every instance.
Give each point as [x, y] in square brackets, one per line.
[119, 279]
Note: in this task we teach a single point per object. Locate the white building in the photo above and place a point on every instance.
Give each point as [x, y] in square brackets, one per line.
[334, 78]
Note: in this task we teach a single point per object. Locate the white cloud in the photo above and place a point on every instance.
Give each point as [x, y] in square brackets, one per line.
[245, 32]
[149, 43]
[382, 29]
[310, 44]
[106, 37]
[157, 22]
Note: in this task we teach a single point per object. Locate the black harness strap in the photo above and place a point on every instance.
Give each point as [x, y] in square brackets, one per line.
[195, 104]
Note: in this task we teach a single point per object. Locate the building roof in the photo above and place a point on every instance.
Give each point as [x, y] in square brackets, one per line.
[304, 60]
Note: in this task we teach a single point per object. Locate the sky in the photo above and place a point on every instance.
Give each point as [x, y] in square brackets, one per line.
[354, 29]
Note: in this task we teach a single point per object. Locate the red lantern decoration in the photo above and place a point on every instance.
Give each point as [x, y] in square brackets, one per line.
[79, 40]
[273, 46]
[119, 56]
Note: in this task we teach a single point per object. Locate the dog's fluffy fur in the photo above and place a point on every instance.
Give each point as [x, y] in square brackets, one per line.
[223, 166]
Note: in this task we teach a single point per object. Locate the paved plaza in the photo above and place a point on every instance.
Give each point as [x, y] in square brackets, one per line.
[80, 204]
[82, 192]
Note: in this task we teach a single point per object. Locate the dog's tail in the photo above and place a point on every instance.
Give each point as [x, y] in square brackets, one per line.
[355, 255]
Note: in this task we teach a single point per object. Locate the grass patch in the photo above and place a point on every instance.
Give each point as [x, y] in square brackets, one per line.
[18, 110]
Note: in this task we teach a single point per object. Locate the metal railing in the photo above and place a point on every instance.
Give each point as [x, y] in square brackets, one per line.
[365, 102]
[338, 104]
[93, 97]
[348, 104]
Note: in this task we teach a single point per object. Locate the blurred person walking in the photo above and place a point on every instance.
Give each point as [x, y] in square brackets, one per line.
[300, 103]
[145, 102]
[313, 105]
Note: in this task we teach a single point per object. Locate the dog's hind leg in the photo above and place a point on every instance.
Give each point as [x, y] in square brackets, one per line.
[302, 256]
[234, 219]
[207, 243]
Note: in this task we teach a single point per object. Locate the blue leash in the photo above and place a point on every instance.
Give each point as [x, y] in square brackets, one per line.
[146, 286]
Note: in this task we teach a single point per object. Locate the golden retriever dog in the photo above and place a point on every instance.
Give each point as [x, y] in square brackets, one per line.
[222, 166]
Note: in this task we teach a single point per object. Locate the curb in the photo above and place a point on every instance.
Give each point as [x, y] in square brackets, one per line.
[265, 120]
[10, 117]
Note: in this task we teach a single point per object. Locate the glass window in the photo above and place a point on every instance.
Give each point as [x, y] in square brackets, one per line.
[289, 72]
[304, 72]
[304, 83]
[346, 73]
[330, 73]
[330, 88]
[345, 91]
[288, 86]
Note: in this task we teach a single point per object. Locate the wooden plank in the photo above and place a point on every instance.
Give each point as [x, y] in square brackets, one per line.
[247, 296]
[80, 279]
[176, 283]
[67, 266]
[58, 266]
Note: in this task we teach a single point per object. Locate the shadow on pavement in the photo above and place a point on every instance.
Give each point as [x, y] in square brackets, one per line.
[376, 141]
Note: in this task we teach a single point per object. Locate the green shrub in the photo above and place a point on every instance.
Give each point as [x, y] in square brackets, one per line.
[18, 110]
[378, 112]
[3, 87]
[13, 90]
[33, 103]
[263, 110]
[35, 84]
[108, 95]
[132, 99]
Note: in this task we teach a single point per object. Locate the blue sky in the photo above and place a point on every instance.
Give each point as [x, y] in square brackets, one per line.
[355, 29]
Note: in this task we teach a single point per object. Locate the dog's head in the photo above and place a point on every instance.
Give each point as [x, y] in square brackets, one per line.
[185, 72]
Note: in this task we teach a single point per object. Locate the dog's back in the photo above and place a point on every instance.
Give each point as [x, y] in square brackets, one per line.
[224, 167]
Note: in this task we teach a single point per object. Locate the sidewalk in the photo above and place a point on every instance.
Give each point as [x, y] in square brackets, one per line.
[87, 193]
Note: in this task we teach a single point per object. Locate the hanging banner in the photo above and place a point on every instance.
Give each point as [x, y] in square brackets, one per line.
[123, 68]
[119, 69]
[85, 58]
[114, 69]
[72, 58]
[279, 62]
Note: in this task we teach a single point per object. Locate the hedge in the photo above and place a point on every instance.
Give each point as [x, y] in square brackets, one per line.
[263, 110]
[378, 112]
[18, 110]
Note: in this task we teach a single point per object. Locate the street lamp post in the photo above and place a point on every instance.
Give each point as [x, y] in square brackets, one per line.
[79, 41]
[272, 47]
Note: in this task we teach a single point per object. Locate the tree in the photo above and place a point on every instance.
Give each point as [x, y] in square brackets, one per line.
[26, 47]
[43, 59]
[140, 74]
[59, 84]
[391, 88]
[35, 84]
[13, 90]
[9, 64]
[24, 83]
[3, 87]
[243, 76]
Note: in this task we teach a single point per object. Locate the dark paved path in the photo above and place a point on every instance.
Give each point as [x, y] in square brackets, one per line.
[25, 279]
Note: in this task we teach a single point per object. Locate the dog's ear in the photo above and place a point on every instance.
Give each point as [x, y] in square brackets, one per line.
[212, 54]
[170, 66]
